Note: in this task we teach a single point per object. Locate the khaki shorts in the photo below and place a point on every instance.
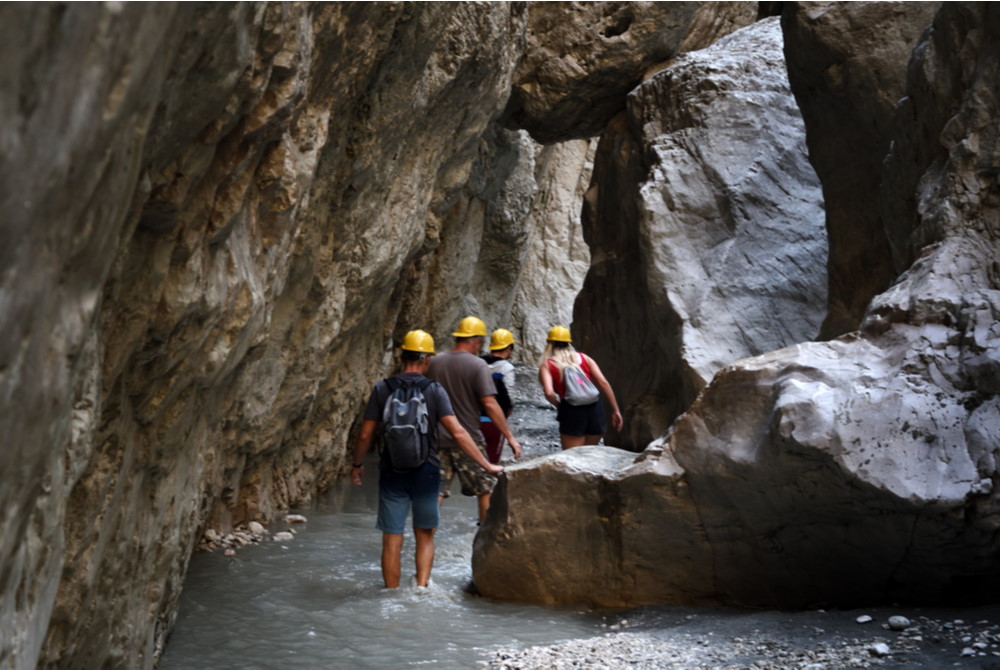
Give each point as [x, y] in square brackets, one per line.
[474, 480]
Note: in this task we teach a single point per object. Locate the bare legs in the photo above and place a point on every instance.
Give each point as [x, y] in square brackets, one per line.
[424, 554]
[483, 501]
[484, 504]
[392, 549]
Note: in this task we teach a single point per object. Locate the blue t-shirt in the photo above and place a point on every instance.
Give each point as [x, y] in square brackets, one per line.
[438, 405]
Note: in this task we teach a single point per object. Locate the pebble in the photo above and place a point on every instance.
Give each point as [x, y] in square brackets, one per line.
[283, 536]
[864, 618]
[294, 518]
[880, 649]
[898, 623]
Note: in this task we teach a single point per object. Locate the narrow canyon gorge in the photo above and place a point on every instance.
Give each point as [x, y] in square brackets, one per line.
[775, 225]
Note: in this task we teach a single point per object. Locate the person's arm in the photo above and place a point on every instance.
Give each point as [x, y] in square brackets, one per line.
[509, 376]
[465, 443]
[605, 386]
[492, 408]
[545, 379]
[361, 448]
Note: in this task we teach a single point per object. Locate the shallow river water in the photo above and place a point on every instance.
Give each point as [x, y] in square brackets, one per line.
[317, 602]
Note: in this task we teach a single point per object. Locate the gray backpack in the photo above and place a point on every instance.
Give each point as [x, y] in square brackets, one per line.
[406, 422]
[578, 389]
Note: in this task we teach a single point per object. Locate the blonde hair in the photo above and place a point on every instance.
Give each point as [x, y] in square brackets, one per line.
[562, 354]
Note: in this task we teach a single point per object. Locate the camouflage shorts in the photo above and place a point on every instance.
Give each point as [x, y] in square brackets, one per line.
[474, 480]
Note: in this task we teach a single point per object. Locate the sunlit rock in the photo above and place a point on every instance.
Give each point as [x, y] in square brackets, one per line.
[707, 223]
[557, 256]
[838, 472]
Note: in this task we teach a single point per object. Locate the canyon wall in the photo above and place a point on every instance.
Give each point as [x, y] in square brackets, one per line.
[218, 218]
[848, 98]
[857, 470]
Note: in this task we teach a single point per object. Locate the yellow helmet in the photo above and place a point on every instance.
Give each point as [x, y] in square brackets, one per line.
[559, 334]
[501, 339]
[470, 326]
[419, 341]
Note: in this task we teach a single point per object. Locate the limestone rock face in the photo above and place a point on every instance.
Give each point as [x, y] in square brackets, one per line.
[847, 67]
[707, 223]
[860, 469]
[510, 248]
[207, 221]
[557, 257]
[582, 59]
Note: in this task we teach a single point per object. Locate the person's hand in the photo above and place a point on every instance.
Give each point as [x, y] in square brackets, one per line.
[356, 475]
[617, 421]
[515, 446]
[494, 469]
[553, 399]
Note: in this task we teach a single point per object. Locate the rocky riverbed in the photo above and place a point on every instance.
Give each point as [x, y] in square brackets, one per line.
[813, 640]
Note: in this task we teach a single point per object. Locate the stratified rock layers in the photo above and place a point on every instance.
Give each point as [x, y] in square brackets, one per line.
[860, 469]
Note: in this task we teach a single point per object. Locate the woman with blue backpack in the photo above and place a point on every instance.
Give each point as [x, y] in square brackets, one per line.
[573, 382]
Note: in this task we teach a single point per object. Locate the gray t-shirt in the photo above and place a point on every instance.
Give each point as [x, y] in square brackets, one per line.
[438, 405]
[467, 378]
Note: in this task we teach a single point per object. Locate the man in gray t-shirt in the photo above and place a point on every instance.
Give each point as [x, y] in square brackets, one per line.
[469, 383]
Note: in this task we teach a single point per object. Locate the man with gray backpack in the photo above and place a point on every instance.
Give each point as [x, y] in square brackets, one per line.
[410, 406]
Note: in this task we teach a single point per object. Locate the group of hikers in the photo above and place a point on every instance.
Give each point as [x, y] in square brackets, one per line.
[445, 416]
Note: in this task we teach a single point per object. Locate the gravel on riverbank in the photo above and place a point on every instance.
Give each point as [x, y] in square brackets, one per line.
[770, 641]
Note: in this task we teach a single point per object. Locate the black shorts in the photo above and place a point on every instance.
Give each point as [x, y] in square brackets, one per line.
[578, 420]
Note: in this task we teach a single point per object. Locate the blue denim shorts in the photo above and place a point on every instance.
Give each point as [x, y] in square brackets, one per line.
[398, 490]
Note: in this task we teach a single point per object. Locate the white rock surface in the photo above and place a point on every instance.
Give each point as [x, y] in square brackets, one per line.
[708, 218]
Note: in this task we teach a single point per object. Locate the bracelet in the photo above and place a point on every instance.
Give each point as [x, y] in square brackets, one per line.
[359, 466]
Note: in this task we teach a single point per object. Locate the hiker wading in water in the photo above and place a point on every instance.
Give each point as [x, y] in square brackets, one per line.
[578, 424]
[419, 486]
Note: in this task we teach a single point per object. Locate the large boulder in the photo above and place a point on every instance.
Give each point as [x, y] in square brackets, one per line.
[706, 221]
[857, 470]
